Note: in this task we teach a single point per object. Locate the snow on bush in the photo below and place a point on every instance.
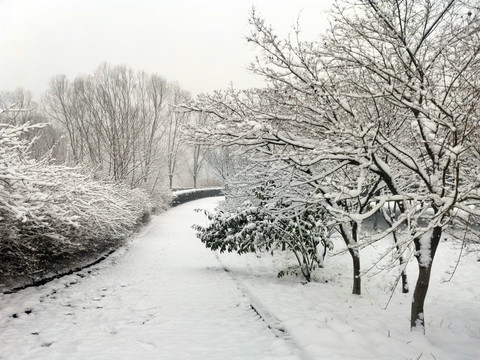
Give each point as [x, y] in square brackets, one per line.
[183, 196]
[269, 225]
[51, 213]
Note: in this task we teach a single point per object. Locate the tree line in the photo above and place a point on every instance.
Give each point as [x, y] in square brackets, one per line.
[119, 122]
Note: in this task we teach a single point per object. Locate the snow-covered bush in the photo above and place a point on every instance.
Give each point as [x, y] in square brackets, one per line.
[51, 214]
[270, 226]
[183, 196]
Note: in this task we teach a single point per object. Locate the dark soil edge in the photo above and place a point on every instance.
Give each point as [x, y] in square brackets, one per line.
[47, 279]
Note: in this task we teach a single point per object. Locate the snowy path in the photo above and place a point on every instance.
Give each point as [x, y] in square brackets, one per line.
[166, 297]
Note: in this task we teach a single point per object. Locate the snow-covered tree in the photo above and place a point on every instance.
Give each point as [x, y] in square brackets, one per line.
[20, 109]
[415, 67]
[383, 109]
[260, 120]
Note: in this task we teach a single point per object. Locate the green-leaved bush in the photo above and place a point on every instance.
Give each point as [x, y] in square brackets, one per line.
[269, 226]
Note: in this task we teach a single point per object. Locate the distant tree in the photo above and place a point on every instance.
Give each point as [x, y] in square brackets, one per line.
[24, 110]
[117, 121]
[175, 123]
[17, 107]
[198, 162]
[197, 150]
[223, 160]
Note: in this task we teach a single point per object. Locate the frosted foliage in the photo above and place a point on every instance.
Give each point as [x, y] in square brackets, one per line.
[64, 209]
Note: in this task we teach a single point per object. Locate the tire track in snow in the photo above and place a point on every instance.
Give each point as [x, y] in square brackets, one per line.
[271, 321]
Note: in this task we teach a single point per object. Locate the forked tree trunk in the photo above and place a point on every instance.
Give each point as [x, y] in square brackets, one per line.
[417, 319]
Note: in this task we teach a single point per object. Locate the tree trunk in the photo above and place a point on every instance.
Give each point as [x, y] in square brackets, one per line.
[351, 242]
[357, 280]
[404, 277]
[417, 319]
[405, 286]
[355, 252]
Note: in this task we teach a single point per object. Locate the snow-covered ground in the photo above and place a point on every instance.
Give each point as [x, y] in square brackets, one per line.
[164, 296]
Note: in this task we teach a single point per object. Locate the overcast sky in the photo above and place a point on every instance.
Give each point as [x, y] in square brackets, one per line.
[201, 44]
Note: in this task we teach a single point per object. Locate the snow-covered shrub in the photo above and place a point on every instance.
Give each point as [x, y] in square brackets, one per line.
[183, 196]
[270, 226]
[161, 198]
[52, 214]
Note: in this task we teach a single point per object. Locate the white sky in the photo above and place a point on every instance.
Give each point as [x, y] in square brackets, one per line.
[201, 44]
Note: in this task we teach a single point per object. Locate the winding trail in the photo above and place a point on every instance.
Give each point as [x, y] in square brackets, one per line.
[163, 297]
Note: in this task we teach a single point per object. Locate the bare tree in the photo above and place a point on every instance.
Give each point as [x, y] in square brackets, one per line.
[116, 121]
[198, 150]
[21, 101]
[222, 160]
[198, 161]
[48, 138]
[175, 123]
